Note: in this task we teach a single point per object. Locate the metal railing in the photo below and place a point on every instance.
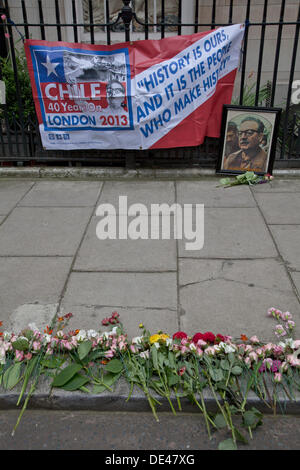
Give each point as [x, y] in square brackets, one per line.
[19, 135]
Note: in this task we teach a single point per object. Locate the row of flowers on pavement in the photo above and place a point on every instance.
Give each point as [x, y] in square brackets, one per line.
[175, 367]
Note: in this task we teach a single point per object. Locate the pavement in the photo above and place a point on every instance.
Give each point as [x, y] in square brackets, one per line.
[52, 261]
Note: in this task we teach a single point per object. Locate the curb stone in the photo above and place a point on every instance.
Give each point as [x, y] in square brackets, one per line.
[103, 173]
[46, 398]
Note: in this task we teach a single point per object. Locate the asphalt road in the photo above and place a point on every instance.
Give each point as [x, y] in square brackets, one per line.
[90, 430]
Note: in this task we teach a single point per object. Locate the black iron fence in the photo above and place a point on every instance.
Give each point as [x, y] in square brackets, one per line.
[19, 136]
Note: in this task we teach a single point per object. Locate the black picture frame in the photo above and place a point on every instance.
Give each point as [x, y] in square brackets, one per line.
[248, 139]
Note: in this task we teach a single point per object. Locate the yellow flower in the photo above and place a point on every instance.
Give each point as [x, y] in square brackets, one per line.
[141, 325]
[157, 337]
[154, 338]
[164, 337]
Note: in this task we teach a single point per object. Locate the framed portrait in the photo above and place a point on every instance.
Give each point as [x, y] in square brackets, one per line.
[248, 139]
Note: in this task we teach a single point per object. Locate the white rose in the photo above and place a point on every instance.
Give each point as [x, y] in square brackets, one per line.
[137, 340]
[81, 335]
[92, 334]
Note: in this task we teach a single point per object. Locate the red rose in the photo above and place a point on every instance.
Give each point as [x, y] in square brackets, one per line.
[180, 335]
[197, 336]
[209, 337]
[219, 338]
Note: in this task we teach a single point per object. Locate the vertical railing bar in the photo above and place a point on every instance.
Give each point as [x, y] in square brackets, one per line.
[261, 52]
[2, 140]
[154, 15]
[244, 52]
[57, 15]
[15, 69]
[162, 35]
[291, 139]
[230, 12]
[74, 15]
[107, 21]
[179, 17]
[288, 101]
[24, 12]
[42, 27]
[146, 20]
[277, 52]
[213, 15]
[91, 17]
[196, 16]
[16, 134]
[8, 131]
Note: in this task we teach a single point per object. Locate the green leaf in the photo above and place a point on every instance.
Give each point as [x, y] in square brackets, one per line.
[66, 374]
[224, 364]
[84, 348]
[240, 436]
[173, 380]
[220, 421]
[225, 181]
[21, 344]
[154, 357]
[75, 383]
[110, 378]
[99, 389]
[236, 370]
[11, 376]
[216, 374]
[115, 366]
[53, 362]
[231, 357]
[228, 444]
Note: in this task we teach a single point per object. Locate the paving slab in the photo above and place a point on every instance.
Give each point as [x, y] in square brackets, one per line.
[142, 192]
[11, 192]
[207, 193]
[125, 255]
[63, 193]
[90, 317]
[280, 185]
[287, 238]
[233, 233]
[148, 290]
[280, 208]
[43, 231]
[233, 297]
[35, 281]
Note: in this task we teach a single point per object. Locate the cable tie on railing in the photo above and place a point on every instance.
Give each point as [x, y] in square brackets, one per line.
[13, 24]
[247, 23]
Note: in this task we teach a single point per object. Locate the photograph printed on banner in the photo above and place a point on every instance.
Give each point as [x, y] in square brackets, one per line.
[108, 69]
[248, 139]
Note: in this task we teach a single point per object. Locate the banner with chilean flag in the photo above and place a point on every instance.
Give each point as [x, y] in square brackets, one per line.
[136, 95]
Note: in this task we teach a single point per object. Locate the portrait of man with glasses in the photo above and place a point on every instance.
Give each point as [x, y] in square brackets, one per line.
[251, 156]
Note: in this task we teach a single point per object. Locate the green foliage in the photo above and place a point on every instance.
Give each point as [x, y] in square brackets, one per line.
[8, 77]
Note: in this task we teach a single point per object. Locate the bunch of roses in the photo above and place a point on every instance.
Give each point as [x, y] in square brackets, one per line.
[112, 320]
[286, 317]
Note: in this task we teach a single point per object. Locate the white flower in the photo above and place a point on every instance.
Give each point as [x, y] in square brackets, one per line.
[92, 334]
[193, 347]
[144, 354]
[81, 335]
[114, 330]
[60, 333]
[7, 335]
[169, 342]
[2, 355]
[105, 335]
[46, 338]
[137, 340]
[157, 345]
